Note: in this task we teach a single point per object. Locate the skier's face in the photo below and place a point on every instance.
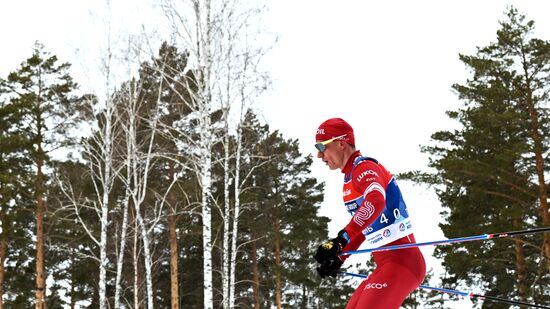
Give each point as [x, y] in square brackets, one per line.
[333, 155]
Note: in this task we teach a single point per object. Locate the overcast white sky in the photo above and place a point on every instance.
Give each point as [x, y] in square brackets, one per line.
[385, 66]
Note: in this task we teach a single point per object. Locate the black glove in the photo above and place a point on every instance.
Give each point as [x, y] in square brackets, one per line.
[331, 249]
[330, 268]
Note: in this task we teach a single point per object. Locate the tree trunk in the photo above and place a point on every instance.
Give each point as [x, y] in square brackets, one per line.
[520, 264]
[539, 164]
[120, 258]
[174, 295]
[255, 275]
[277, 226]
[136, 264]
[103, 250]
[226, 217]
[105, 200]
[207, 231]
[147, 259]
[40, 280]
[206, 138]
[173, 235]
[543, 194]
[236, 213]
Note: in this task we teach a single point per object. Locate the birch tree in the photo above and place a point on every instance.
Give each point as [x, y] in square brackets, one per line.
[102, 164]
[216, 37]
[250, 83]
[99, 160]
[111, 154]
[200, 31]
[148, 119]
[138, 161]
[165, 73]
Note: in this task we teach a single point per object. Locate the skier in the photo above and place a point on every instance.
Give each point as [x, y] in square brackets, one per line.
[379, 218]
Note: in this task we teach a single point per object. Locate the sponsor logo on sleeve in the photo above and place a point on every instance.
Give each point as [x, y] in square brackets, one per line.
[364, 213]
[365, 173]
[351, 206]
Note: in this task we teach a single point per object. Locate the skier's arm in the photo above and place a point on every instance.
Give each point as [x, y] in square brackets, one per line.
[370, 179]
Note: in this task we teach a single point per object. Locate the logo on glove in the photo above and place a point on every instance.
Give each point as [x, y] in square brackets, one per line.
[328, 245]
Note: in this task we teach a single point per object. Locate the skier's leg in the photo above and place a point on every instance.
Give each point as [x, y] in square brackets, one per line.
[387, 288]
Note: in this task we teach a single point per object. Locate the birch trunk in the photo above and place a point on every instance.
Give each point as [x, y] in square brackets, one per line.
[103, 252]
[128, 199]
[206, 182]
[140, 163]
[207, 238]
[235, 228]
[141, 228]
[136, 264]
[120, 258]
[106, 186]
[226, 218]
[206, 29]
[147, 260]
[227, 180]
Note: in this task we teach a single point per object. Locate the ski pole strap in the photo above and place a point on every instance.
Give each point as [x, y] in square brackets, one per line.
[451, 240]
[465, 294]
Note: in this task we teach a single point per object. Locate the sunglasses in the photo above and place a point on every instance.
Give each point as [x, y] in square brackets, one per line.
[322, 146]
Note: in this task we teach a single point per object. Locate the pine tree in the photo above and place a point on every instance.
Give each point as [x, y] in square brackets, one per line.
[43, 89]
[76, 277]
[167, 74]
[15, 204]
[526, 60]
[281, 226]
[485, 169]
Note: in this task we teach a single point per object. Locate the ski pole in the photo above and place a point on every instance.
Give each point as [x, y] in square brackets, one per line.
[452, 240]
[466, 294]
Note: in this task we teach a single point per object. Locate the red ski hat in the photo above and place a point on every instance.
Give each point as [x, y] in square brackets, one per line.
[334, 127]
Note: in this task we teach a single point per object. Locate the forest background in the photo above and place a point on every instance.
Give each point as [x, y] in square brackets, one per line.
[117, 162]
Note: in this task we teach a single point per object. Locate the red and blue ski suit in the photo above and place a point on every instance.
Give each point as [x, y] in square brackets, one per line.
[380, 218]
